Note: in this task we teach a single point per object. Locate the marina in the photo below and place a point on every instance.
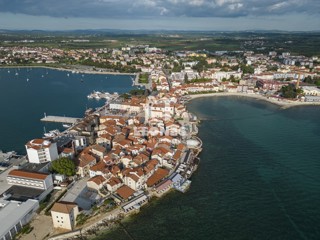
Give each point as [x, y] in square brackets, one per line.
[102, 95]
[55, 93]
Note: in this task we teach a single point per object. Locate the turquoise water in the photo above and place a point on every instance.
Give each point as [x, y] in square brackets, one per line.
[259, 178]
[26, 94]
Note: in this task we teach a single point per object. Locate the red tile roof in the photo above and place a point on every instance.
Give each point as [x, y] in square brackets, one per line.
[157, 176]
[125, 192]
[26, 174]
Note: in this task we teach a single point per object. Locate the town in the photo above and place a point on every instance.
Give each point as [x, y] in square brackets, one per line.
[137, 146]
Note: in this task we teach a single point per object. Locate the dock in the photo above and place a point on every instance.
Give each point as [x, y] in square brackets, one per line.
[59, 119]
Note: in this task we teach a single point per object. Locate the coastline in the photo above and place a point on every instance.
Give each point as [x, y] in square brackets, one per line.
[72, 69]
[282, 103]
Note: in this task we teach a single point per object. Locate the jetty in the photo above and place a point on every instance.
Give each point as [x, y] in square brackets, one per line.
[59, 119]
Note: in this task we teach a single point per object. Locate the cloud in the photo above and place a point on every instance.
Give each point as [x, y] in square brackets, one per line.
[156, 8]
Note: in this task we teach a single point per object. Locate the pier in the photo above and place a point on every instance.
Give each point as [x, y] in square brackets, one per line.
[59, 119]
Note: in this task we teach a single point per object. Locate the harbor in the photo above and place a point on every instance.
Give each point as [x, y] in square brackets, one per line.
[59, 119]
[102, 95]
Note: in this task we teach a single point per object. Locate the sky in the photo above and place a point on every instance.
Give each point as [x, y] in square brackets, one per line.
[218, 15]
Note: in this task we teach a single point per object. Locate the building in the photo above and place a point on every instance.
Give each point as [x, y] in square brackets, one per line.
[30, 179]
[64, 215]
[41, 150]
[14, 215]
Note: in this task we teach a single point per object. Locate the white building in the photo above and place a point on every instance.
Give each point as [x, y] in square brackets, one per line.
[311, 91]
[80, 142]
[30, 179]
[14, 215]
[41, 151]
[64, 215]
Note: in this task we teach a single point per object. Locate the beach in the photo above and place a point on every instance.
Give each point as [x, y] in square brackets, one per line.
[278, 101]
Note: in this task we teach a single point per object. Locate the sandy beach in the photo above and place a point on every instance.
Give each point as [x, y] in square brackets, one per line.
[280, 102]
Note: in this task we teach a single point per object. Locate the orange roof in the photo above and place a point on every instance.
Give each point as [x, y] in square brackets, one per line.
[100, 166]
[63, 207]
[157, 176]
[114, 181]
[97, 179]
[38, 144]
[85, 159]
[26, 174]
[125, 192]
[177, 155]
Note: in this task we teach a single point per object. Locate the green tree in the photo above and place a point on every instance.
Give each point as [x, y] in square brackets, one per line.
[290, 91]
[247, 69]
[64, 166]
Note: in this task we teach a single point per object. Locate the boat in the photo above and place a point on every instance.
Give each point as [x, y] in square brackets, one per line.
[6, 156]
[17, 74]
[27, 79]
[68, 74]
[65, 125]
[52, 133]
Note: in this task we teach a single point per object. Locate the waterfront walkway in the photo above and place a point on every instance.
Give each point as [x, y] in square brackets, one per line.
[59, 119]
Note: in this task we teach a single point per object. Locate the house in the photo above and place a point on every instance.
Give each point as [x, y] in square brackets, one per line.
[67, 153]
[125, 192]
[104, 140]
[64, 215]
[157, 177]
[150, 167]
[79, 143]
[139, 160]
[98, 169]
[98, 151]
[41, 151]
[85, 162]
[134, 178]
[113, 184]
[96, 182]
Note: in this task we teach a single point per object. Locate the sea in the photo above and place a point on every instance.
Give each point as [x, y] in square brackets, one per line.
[259, 178]
[259, 175]
[26, 94]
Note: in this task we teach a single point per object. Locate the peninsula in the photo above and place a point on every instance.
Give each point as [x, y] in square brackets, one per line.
[138, 145]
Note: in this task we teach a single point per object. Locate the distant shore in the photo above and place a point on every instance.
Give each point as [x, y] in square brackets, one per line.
[280, 102]
[77, 70]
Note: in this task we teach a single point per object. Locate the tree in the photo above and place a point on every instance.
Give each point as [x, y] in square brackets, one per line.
[290, 91]
[185, 78]
[247, 69]
[64, 166]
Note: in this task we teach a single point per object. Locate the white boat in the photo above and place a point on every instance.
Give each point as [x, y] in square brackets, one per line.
[27, 79]
[52, 133]
[68, 74]
[17, 74]
[65, 125]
